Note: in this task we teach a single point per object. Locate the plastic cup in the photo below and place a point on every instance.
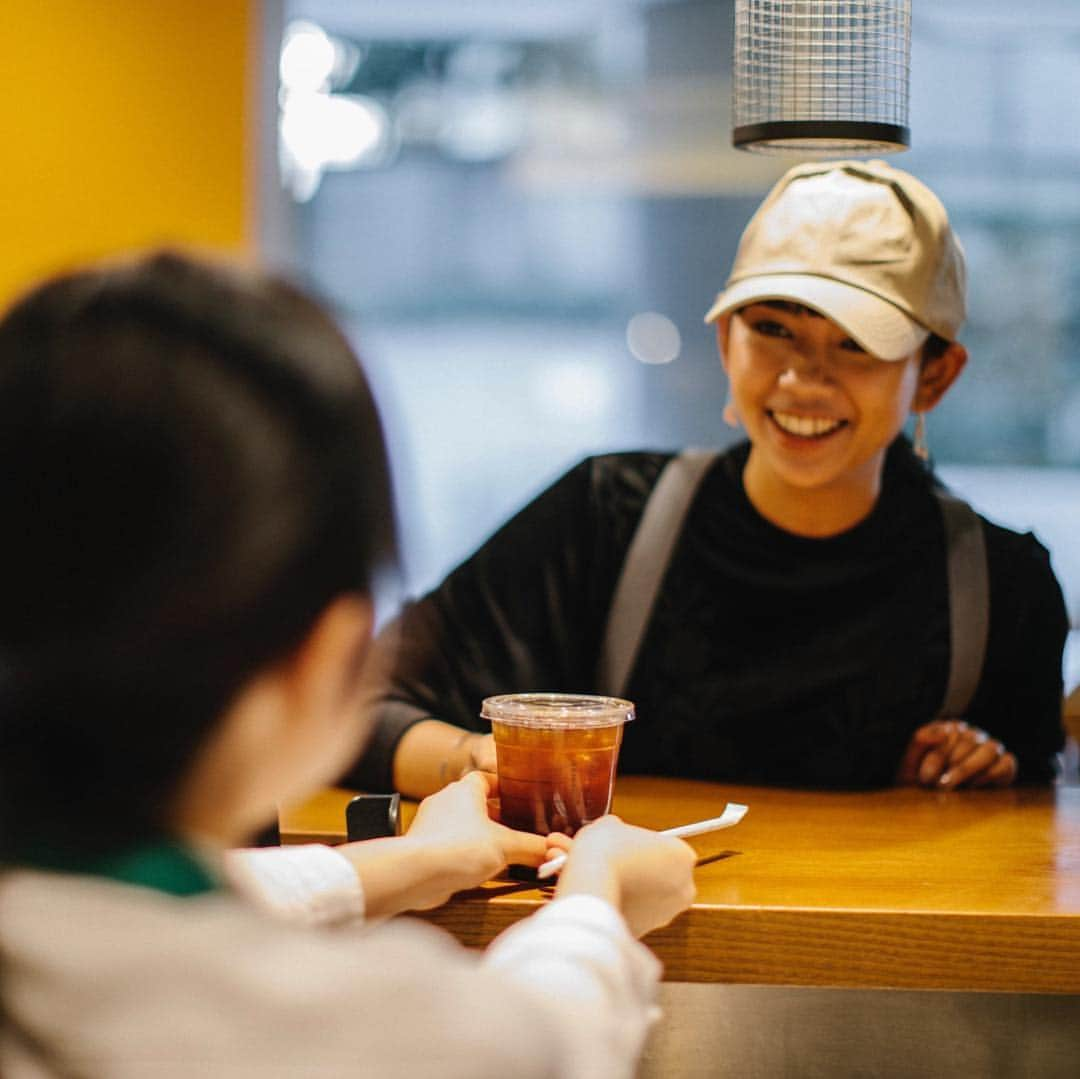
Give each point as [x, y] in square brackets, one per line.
[556, 755]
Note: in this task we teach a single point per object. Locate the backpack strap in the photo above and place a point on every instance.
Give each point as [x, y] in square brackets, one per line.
[969, 602]
[645, 564]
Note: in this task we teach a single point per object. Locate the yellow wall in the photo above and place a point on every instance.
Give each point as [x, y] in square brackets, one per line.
[122, 123]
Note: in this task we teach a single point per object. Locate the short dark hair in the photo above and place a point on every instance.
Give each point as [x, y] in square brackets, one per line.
[192, 468]
[934, 347]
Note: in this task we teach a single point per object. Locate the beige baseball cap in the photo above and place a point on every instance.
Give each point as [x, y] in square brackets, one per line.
[863, 243]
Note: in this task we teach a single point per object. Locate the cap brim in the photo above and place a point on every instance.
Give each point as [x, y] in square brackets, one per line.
[878, 326]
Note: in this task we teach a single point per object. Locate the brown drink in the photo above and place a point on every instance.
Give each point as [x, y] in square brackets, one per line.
[556, 756]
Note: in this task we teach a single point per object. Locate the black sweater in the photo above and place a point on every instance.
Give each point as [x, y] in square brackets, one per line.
[769, 658]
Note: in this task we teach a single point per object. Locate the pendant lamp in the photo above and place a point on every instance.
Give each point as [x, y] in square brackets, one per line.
[822, 77]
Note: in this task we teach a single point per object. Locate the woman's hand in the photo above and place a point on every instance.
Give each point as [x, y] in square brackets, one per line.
[458, 820]
[473, 753]
[647, 876]
[453, 844]
[949, 753]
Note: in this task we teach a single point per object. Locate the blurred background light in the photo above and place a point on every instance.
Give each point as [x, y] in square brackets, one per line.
[653, 338]
[311, 59]
[480, 125]
[329, 131]
[308, 57]
[418, 111]
[573, 392]
[325, 131]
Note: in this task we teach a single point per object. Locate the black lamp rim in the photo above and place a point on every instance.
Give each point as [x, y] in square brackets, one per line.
[847, 130]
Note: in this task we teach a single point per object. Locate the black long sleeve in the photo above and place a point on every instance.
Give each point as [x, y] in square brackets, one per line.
[770, 658]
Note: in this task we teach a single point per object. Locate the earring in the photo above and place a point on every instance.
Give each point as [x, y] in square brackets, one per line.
[731, 417]
[922, 450]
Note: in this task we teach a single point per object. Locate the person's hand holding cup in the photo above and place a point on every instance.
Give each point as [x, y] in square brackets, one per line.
[556, 755]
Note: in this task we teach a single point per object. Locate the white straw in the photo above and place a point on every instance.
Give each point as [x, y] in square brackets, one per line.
[733, 813]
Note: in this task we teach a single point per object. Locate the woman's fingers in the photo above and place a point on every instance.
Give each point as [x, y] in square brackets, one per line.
[973, 758]
[908, 772]
[558, 843]
[482, 753]
[950, 753]
[522, 848]
[922, 741]
[978, 760]
[931, 767]
[486, 782]
[946, 735]
[1002, 773]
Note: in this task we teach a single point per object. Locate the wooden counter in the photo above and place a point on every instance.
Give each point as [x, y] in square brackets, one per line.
[901, 888]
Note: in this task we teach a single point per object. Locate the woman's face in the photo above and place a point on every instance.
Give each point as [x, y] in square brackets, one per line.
[819, 411]
[294, 727]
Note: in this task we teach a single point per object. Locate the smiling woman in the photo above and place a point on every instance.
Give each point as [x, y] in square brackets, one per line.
[806, 629]
[821, 411]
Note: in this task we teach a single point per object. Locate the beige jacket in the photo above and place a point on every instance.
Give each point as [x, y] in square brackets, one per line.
[106, 979]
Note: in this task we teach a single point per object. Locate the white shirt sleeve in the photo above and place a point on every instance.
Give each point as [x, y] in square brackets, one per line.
[310, 884]
[574, 957]
[579, 957]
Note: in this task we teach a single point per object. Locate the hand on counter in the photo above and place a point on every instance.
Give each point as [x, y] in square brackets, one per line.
[647, 876]
[951, 753]
[452, 844]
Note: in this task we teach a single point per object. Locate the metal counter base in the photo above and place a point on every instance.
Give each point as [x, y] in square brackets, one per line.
[781, 1032]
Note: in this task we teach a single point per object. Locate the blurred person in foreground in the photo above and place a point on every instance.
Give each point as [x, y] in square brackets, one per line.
[807, 630]
[197, 505]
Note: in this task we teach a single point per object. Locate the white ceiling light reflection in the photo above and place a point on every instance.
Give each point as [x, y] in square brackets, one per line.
[308, 58]
[318, 129]
[573, 392]
[653, 338]
[330, 131]
[323, 130]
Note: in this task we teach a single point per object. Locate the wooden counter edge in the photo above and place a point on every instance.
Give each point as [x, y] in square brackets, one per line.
[835, 948]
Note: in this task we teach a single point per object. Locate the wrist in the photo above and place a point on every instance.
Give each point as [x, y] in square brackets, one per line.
[588, 875]
[424, 755]
[437, 868]
[450, 766]
[397, 873]
[460, 758]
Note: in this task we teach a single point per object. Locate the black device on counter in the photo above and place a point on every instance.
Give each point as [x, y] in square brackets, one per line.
[371, 816]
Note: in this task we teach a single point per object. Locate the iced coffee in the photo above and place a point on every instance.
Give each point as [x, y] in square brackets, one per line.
[556, 755]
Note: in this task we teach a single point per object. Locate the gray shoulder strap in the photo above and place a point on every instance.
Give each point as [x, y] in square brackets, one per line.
[645, 564]
[969, 602]
[659, 530]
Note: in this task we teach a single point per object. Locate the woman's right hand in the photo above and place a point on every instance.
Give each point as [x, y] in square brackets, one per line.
[647, 876]
[949, 753]
[452, 844]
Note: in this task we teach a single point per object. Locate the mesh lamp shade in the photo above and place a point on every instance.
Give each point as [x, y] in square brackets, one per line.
[822, 77]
